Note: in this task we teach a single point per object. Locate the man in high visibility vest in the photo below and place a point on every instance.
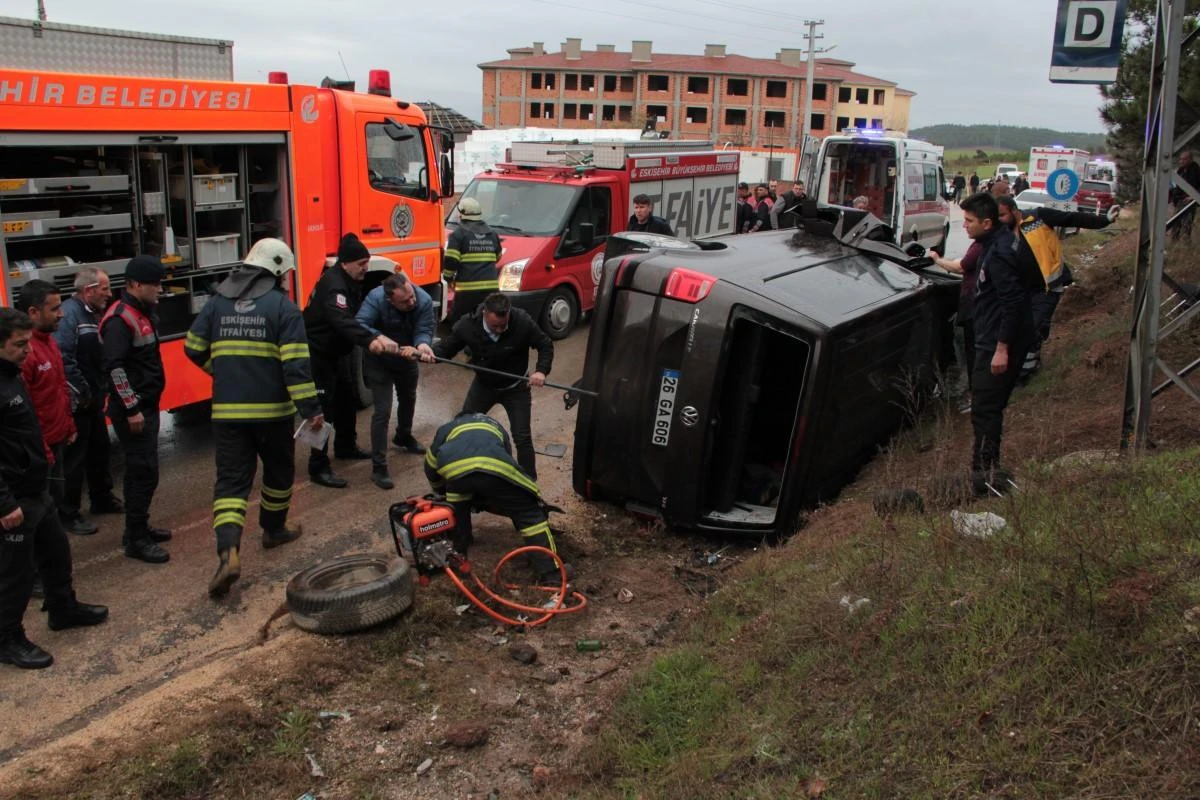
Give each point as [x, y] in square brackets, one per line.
[470, 461]
[470, 262]
[250, 338]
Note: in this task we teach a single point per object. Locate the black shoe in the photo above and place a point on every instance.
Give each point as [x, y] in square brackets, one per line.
[409, 445]
[357, 454]
[77, 615]
[160, 535]
[554, 578]
[276, 538]
[327, 478]
[20, 652]
[80, 526]
[108, 505]
[228, 571]
[146, 550]
[382, 480]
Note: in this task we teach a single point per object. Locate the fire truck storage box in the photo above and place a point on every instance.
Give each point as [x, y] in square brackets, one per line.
[64, 185]
[209, 190]
[211, 251]
[23, 225]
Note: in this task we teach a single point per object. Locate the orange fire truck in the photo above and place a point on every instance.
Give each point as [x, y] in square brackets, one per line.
[95, 169]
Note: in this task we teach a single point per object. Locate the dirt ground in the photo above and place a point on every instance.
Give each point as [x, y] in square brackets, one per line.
[435, 705]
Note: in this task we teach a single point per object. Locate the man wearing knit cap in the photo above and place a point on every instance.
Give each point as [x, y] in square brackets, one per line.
[136, 379]
[333, 333]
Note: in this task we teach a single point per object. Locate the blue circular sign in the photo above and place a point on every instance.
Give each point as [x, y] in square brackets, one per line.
[1062, 184]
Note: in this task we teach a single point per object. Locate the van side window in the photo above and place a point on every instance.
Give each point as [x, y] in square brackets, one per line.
[396, 167]
[594, 207]
[932, 182]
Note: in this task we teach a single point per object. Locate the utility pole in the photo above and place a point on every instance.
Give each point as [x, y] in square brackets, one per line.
[41, 8]
[812, 37]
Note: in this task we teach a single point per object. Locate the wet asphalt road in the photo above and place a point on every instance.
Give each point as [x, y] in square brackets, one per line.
[162, 623]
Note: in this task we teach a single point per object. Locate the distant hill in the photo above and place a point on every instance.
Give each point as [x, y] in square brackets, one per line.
[1006, 137]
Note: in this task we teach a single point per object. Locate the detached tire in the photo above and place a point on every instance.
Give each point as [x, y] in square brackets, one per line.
[350, 593]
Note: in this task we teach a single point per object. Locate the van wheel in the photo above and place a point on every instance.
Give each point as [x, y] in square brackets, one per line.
[560, 314]
[941, 246]
[350, 593]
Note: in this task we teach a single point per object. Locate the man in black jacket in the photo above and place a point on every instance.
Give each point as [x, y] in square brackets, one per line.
[78, 338]
[29, 524]
[133, 368]
[333, 332]
[785, 213]
[1003, 323]
[499, 337]
[643, 218]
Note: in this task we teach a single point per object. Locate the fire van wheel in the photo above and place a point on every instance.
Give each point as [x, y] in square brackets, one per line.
[363, 397]
[560, 314]
[350, 593]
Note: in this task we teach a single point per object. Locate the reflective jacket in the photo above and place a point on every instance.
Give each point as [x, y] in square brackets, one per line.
[24, 467]
[250, 337]
[47, 383]
[1040, 242]
[472, 443]
[471, 255]
[132, 363]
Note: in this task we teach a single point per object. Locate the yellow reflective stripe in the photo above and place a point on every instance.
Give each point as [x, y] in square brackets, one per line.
[492, 465]
[290, 351]
[478, 258]
[253, 410]
[452, 253]
[275, 505]
[277, 493]
[302, 391]
[475, 286]
[475, 426]
[195, 342]
[455, 497]
[229, 503]
[430, 458]
[237, 518]
[245, 347]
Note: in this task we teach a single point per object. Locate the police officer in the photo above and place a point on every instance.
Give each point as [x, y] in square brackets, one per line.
[499, 337]
[333, 333]
[134, 370]
[250, 337]
[29, 525]
[470, 462]
[404, 313]
[78, 338]
[470, 261]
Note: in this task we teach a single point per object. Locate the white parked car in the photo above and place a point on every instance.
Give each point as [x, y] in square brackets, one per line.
[1011, 171]
[1030, 199]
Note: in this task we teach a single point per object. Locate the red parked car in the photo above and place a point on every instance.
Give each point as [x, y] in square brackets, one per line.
[1095, 196]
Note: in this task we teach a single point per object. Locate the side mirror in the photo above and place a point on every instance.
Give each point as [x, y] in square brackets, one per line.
[447, 142]
[587, 235]
[447, 173]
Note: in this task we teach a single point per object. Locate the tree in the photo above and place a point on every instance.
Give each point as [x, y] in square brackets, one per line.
[1124, 112]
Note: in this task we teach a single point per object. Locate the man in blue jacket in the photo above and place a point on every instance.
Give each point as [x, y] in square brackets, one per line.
[403, 313]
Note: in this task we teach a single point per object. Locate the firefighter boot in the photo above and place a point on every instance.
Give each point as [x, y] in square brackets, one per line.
[228, 571]
[282, 536]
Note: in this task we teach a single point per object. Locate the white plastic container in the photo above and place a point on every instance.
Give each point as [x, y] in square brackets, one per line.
[209, 190]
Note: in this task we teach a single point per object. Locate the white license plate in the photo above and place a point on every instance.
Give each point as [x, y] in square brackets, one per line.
[664, 410]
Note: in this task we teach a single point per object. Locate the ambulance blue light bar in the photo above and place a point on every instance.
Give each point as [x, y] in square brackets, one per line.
[864, 132]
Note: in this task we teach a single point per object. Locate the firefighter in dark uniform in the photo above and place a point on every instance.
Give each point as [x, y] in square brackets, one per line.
[136, 379]
[333, 333]
[250, 338]
[30, 531]
[499, 337]
[470, 462]
[470, 261]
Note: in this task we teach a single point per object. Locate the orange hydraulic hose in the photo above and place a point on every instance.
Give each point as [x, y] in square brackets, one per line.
[545, 614]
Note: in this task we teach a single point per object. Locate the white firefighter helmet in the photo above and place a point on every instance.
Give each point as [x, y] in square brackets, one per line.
[273, 255]
[469, 208]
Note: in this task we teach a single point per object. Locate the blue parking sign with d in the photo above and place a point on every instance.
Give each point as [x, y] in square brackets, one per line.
[1087, 41]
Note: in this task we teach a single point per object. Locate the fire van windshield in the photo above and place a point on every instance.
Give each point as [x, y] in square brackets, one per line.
[523, 208]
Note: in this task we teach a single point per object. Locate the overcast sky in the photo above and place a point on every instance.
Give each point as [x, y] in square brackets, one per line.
[968, 62]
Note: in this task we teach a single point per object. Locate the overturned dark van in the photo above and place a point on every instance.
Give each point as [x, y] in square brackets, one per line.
[746, 378]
